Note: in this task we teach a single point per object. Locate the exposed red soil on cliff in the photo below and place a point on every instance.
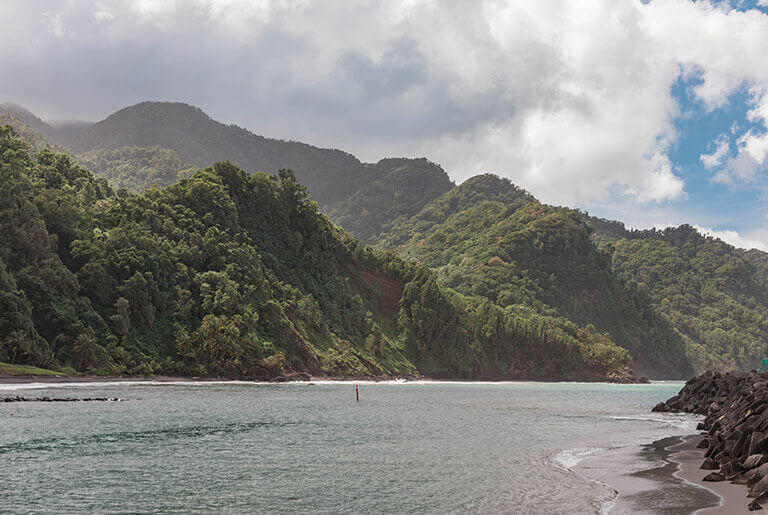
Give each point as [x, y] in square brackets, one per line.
[384, 294]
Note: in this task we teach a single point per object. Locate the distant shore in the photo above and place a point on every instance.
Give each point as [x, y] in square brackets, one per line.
[54, 379]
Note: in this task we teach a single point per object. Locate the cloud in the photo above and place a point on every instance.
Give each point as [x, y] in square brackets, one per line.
[572, 100]
[735, 239]
[751, 145]
[715, 159]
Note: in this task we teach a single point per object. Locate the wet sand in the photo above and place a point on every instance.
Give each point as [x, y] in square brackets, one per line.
[661, 477]
[733, 497]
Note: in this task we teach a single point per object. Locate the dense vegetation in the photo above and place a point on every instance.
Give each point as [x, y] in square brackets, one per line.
[672, 298]
[226, 273]
[404, 186]
[714, 294]
[491, 239]
[136, 168]
[124, 149]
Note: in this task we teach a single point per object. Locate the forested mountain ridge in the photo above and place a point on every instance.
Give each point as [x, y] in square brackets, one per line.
[404, 186]
[136, 168]
[363, 197]
[714, 294]
[488, 237]
[710, 297]
[228, 273]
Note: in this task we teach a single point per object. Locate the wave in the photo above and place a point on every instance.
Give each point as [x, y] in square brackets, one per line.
[314, 382]
[684, 421]
[569, 458]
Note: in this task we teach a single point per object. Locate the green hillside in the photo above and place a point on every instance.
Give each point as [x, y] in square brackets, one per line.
[714, 294]
[404, 186]
[227, 273]
[136, 168]
[489, 238]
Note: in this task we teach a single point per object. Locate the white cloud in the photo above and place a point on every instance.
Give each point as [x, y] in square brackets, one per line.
[715, 159]
[570, 99]
[735, 239]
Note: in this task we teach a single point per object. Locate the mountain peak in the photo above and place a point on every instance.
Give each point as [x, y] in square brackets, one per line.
[25, 115]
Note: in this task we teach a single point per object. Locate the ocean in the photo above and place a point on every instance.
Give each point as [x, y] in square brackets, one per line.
[262, 448]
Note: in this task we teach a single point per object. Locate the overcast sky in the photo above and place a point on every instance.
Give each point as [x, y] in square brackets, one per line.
[654, 113]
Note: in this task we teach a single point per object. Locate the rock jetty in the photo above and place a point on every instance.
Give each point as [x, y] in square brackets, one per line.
[735, 428]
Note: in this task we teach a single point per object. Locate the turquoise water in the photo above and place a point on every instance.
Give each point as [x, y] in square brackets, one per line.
[311, 448]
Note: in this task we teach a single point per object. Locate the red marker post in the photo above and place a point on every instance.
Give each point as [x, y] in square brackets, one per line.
[357, 394]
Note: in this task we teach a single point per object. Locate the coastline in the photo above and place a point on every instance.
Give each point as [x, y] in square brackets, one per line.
[292, 378]
[689, 458]
[661, 476]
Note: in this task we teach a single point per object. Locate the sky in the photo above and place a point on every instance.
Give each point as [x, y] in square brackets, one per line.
[650, 112]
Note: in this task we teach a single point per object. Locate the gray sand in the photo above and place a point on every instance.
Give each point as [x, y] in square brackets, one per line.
[689, 458]
[646, 481]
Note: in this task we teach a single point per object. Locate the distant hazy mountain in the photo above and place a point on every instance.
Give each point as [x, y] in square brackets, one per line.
[337, 180]
[27, 117]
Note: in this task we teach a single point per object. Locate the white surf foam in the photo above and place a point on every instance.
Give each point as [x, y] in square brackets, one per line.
[684, 421]
[571, 457]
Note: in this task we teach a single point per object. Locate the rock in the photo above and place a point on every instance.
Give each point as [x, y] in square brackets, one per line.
[759, 487]
[754, 460]
[735, 425]
[731, 469]
[756, 474]
[758, 502]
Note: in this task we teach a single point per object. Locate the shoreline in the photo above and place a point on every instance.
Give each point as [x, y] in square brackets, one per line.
[294, 379]
[661, 476]
[688, 458]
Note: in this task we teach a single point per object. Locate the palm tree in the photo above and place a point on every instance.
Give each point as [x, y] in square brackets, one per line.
[86, 349]
[17, 341]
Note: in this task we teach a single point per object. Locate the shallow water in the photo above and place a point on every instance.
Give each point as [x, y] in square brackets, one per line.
[238, 447]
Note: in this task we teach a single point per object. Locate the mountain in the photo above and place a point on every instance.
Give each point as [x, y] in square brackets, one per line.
[402, 188]
[671, 314]
[714, 294]
[26, 117]
[363, 197]
[489, 238]
[227, 273]
[136, 168]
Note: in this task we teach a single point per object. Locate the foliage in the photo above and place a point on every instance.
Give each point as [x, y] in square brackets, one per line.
[714, 294]
[488, 238]
[230, 274]
[402, 188]
[136, 168]
[25, 370]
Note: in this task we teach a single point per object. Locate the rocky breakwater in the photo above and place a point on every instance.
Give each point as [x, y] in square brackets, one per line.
[735, 428]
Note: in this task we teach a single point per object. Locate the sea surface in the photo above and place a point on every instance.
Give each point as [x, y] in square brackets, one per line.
[244, 447]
